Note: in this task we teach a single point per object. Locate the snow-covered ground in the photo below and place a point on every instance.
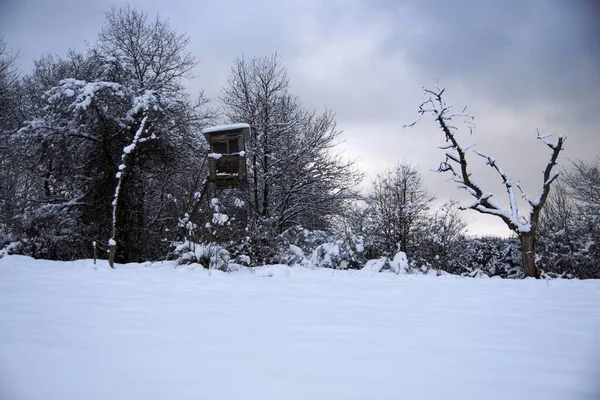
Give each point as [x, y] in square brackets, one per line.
[69, 330]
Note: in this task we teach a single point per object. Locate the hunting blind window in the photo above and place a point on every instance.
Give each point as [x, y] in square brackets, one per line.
[227, 162]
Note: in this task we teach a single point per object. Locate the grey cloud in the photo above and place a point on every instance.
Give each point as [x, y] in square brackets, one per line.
[518, 65]
[35, 28]
[516, 51]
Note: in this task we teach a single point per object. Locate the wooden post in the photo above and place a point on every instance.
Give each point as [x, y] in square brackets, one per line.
[112, 250]
[95, 251]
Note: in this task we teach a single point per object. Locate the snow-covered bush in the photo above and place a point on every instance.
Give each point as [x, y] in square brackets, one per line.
[341, 254]
[258, 241]
[50, 234]
[211, 256]
[296, 244]
[7, 240]
[328, 255]
[492, 256]
[305, 239]
[292, 255]
[398, 265]
[243, 259]
[573, 251]
[437, 242]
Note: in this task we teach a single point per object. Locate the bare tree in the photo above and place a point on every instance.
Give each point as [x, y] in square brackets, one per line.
[257, 93]
[583, 182]
[10, 102]
[456, 163]
[295, 177]
[9, 75]
[575, 198]
[152, 53]
[570, 225]
[559, 211]
[399, 203]
[439, 237]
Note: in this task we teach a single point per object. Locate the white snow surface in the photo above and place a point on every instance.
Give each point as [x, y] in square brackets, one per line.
[75, 330]
[220, 128]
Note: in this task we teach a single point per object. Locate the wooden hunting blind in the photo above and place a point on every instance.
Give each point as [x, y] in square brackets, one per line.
[227, 157]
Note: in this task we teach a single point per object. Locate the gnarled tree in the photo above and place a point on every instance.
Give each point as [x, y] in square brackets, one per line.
[456, 163]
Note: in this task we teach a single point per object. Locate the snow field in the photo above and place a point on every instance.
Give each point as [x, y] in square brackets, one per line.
[72, 330]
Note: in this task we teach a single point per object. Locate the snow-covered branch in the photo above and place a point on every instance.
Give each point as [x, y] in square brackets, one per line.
[506, 180]
[127, 150]
[549, 176]
[456, 163]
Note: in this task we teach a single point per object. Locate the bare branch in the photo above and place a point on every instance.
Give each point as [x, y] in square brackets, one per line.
[549, 177]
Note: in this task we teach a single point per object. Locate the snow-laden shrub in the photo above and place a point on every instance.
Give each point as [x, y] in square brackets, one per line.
[5, 236]
[265, 246]
[491, 256]
[476, 273]
[9, 248]
[328, 255]
[305, 239]
[243, 259]
[553, 275]
[398, 265]
[258, 241]
[573, 251]
[49, 233]
[211, 256]
[354, 247]
[341, 254]
[292, 255]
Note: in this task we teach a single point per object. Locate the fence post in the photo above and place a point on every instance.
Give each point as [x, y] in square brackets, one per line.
[112, 250]
[95, 251]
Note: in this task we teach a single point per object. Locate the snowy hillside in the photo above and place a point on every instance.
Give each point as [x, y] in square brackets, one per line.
[72, 330]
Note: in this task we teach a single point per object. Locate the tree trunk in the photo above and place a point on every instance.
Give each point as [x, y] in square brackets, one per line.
[255, 178]
[111, 255]
[528, 253]
[265, 199]
[265, 203]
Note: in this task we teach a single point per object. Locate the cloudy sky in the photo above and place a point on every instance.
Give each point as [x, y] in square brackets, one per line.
[519, 66]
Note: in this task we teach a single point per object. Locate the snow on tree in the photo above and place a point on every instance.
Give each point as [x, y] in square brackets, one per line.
[83, 153]
[456, 164]
[127, 150]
